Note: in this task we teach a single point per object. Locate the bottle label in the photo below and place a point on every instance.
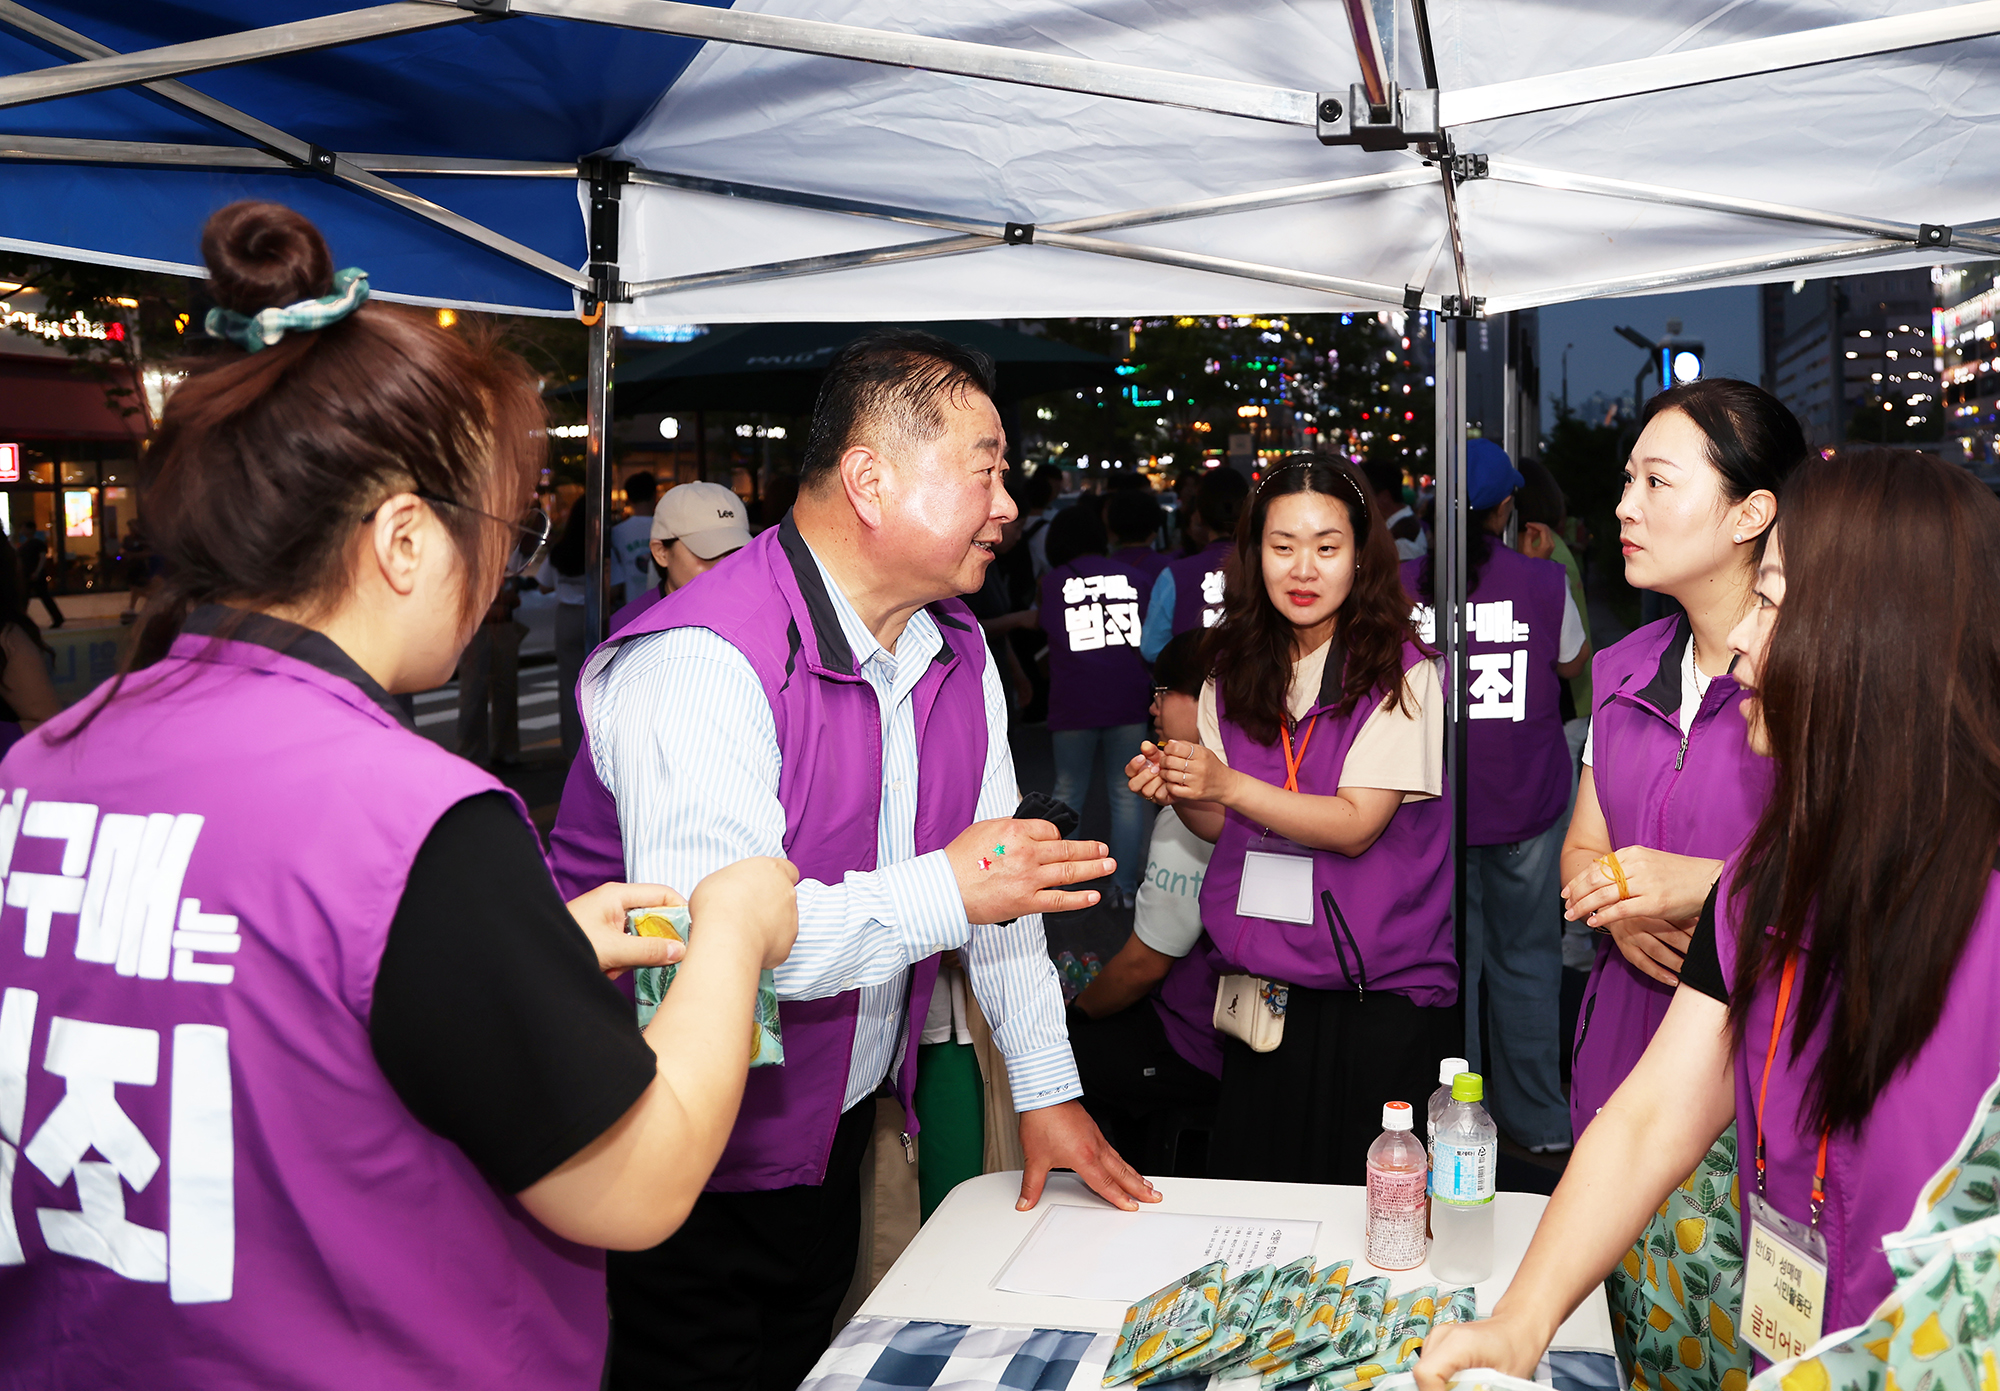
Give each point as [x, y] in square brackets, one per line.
[1397, 1219]
[1463, 1175]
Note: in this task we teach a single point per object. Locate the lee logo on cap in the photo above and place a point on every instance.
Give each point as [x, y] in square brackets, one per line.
[725, 513]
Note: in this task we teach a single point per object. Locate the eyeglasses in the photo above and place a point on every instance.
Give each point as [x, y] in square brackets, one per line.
[531, 532]
[1162, 692]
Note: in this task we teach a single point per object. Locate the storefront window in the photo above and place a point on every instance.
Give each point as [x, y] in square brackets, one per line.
[79, 495]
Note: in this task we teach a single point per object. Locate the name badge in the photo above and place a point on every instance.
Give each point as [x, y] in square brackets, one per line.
[1279, 887]
[1784, 1283]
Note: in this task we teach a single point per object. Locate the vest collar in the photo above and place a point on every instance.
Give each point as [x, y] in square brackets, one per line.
[831, 654]
[301, 644]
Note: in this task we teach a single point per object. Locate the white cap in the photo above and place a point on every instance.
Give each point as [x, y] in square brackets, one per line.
[1450, 1068]
[706, 517]
[1396, 1115]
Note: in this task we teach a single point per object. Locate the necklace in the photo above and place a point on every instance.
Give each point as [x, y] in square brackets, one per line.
[1701, 682]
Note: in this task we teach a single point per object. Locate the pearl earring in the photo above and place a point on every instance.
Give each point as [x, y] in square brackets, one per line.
[1738, 538]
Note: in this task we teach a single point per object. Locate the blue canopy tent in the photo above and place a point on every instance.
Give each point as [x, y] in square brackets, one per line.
[657, 161]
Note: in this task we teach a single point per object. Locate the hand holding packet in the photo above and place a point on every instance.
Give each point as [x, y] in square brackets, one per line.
[767, 1046]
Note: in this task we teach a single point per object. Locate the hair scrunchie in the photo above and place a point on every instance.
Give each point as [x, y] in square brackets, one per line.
[254, 332]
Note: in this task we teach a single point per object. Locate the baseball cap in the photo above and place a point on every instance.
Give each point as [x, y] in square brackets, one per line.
[1490, 476]
[707, 516]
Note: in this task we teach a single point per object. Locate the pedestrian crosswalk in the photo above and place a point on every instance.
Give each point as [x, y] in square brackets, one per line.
[437, 711]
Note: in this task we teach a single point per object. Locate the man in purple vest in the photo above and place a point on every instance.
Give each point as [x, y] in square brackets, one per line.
[823, 691]
[1188, 593]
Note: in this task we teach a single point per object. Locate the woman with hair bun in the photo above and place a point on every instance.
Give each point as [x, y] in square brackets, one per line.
[1318, 777]
[1836, 997]
[308, 1076]
[1670, 788]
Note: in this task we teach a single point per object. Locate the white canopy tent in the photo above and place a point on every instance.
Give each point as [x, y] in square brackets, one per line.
[863, 160]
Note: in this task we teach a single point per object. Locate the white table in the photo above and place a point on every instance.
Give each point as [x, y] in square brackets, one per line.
[947, 1273]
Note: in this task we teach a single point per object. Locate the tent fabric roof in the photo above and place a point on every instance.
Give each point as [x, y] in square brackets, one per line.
[1902, 137]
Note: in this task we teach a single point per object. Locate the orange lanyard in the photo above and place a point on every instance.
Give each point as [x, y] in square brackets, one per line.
[1764, 1087]
[1291, 762]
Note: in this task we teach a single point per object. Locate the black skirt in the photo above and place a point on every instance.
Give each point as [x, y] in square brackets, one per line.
[1307, 1111]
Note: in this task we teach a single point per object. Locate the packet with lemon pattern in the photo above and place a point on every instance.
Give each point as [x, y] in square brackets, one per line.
[1310, 1328]
[1167, 1322]
[1241, 1299]
[1290, 1291]
[650, 983]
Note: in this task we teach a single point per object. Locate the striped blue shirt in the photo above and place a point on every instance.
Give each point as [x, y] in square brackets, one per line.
[691, 800]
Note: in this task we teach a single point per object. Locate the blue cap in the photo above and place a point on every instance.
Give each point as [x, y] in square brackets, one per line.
[1489, 474]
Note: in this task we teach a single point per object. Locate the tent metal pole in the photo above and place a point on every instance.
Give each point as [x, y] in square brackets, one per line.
[596, 500]
[1449, 531]
[1510, 171]
[1833, 43]
[206, 55]
[1248, 270]
[1224, 96]
[817, 202]
[298, 153]
[815, 265]
[1747, 268]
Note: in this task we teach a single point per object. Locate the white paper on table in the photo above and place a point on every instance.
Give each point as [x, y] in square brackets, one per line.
[1101, 1253]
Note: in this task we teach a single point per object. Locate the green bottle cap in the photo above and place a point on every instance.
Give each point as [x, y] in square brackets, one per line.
[1468, 1086]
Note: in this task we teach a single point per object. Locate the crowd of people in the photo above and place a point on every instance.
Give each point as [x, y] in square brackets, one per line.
[318, 970]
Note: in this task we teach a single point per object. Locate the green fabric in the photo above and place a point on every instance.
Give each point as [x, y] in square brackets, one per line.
[1677, 1296]
[1579, 684]
[254, 332]
[951, 1108]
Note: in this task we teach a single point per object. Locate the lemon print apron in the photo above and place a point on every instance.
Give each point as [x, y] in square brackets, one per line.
[1677, 1295]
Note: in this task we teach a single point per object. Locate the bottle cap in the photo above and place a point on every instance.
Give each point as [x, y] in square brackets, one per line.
[1450, 1068]
[1396, 1115]
[1468, 1086]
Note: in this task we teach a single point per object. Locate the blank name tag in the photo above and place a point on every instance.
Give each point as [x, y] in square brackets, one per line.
[1279, 887]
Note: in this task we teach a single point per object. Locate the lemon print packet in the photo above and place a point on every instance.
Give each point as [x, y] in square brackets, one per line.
[1242, 1297]
[1167, 1322]
[767, 1046]
[1271, 1336]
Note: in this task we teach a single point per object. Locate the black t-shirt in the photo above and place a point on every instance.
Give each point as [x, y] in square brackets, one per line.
[491, 1019]
[1701, 968]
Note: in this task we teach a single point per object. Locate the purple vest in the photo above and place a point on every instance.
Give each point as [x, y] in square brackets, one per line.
[1702, 800]
[199, 889]
[1873, 1179]
[631, 609]
[1517, 758]
[1198, 586]
[1185, 1002]
[1091, 609]
[1395, 895]
[768, 601]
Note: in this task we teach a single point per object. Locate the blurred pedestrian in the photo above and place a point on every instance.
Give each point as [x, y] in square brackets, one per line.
[489, 673]
[1386, 479]
[1133, 518]
[1189, 593]
[694, 528]
[34, 557]
[563, 572]
[631, 564]
[27, 695]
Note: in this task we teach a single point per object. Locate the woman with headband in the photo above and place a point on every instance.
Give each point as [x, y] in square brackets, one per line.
[1670, 788]
[1319, 777]
[1836, 998]
[308, 1076]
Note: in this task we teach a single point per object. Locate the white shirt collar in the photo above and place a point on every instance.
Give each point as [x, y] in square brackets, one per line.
[914, 649]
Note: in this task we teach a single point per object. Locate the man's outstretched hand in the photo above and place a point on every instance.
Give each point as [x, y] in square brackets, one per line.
[1006, 868]
[1065, 1137]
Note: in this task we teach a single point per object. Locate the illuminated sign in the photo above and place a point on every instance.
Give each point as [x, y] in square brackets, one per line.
[78, 517]
[10, 463]
[76, 326]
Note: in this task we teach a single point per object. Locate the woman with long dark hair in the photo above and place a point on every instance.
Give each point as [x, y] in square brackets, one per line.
[361, 1100]
[1671, 787]
[1836, 998]
[1318, 777]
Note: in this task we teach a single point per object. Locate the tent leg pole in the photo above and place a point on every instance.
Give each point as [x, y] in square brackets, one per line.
[1449, 531]
[597, 481]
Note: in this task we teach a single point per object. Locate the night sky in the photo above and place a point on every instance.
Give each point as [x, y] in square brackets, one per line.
[1725, 321]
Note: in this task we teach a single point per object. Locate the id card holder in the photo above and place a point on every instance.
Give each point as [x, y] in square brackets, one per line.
[1278, 887]
[1784, 1283]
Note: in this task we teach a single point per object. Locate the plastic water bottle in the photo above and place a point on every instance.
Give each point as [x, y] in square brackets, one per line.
[1448, 1071]
[1464, 1153]
[1396, 1193]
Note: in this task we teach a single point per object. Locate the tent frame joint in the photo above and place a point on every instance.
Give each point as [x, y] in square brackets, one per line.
[1933, 234]
[607, 179]
[1465, 168]
[1019, 234]
[1407, 117]
[1462, 307]
[492, 9]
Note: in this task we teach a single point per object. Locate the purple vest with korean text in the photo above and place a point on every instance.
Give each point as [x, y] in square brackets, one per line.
[1517, 759]
[1698, 797]
[1198, 586]
[769, 602]
[1873, 1178]
[211, 1183]
[1395, 895]
[1091, 609]
[1144, 559]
